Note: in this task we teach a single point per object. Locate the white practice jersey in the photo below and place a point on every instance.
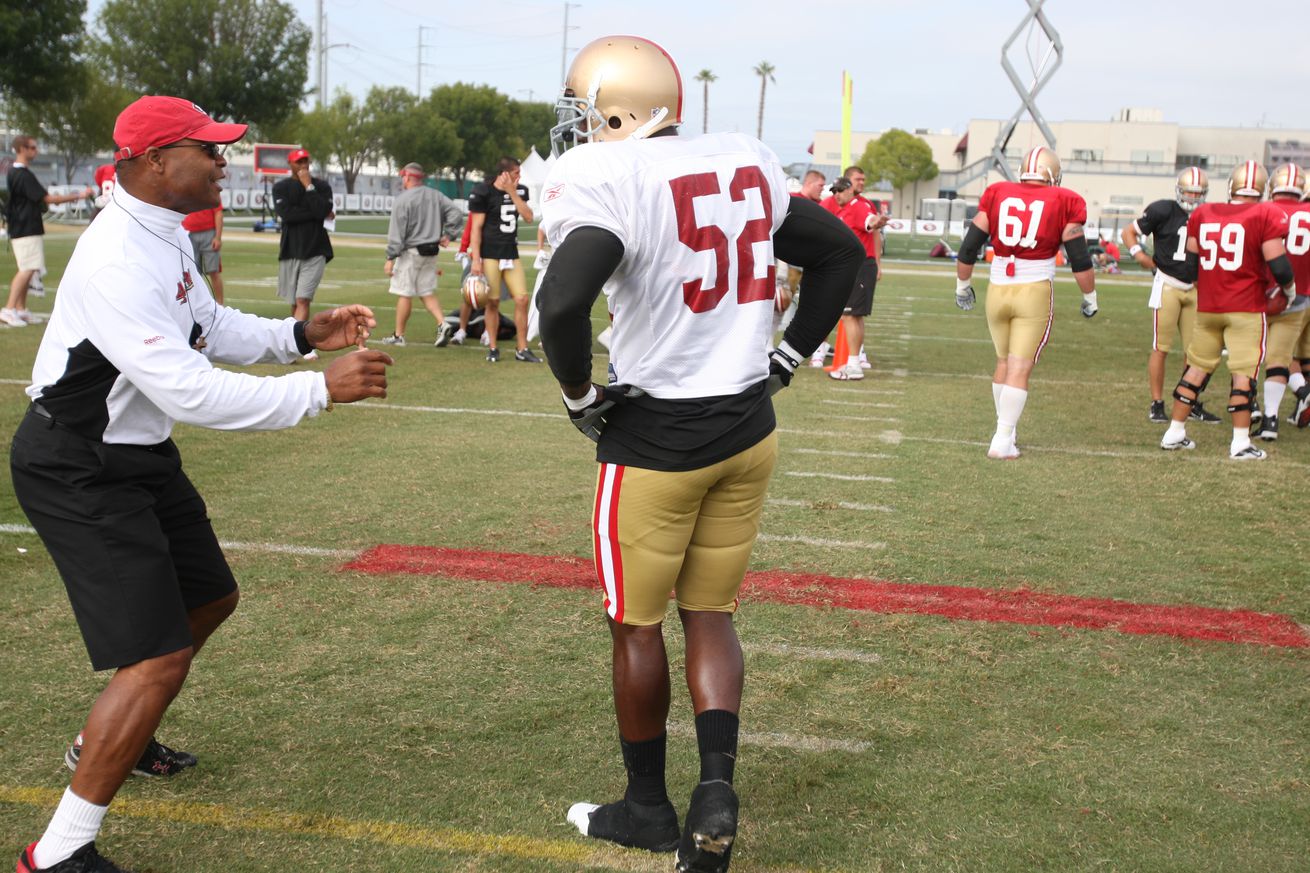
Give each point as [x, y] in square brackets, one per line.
[692, 299]
[116, 361]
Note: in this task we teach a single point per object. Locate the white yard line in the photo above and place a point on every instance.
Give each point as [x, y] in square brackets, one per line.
[822, 543]
[809, 653]
[818, 506]
[839, 477]
[797, 742]
[839, 454]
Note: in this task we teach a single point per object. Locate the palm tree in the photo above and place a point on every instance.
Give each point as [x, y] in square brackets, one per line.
[765, 72]
[706, 76]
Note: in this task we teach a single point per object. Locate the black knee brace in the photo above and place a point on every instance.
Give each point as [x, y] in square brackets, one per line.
[1197, 389]
[1242, 405]
[1275, 372]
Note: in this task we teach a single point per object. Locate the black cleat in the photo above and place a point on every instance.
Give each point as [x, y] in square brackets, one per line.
[1200, 413]
[444, 333]
[526, 356]
[635, 825]
[156, 760]
[493, 355]
[1157, 413]
[710, 829]
[84, 860]
[1268, 429]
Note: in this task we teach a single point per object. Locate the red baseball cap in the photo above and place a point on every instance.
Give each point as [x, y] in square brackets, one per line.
[157, 121]
[297, 155]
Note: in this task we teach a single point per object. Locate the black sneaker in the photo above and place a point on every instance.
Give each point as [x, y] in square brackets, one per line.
[1268, 429]
[493, 355]
[526, 356]
[1157, 413]
[444, 333]
[84, 860]
[635, 825]
[711, 827]
[156, 760]
[1200, 413]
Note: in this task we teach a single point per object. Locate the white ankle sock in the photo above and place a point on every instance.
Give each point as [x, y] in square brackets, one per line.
[1009, 408]
[1177, 431]
[1241, 439]
[76, 823]
[1295, 381]
[1273, 397]
[996, 395]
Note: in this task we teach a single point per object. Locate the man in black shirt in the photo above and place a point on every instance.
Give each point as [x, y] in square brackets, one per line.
[302, 202]
[27, 200]
[494, 213]
[1173, 297]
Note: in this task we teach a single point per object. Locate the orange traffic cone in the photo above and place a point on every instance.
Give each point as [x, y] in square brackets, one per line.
[841, 353]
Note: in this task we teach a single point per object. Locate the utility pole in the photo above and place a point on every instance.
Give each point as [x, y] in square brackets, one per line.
[564, 52]
[319, 22]
[418, 82]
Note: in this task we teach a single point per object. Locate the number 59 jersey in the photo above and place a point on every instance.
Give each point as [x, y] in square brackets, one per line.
[692, 299]
[1027, 225]
[1232, 275]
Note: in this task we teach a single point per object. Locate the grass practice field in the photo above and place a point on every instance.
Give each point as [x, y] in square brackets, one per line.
[1092, 658]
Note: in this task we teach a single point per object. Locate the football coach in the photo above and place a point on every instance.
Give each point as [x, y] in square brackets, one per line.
[128, 352]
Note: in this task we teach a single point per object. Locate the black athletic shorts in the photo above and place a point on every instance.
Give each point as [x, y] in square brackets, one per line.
[861, 299]
[127, 531]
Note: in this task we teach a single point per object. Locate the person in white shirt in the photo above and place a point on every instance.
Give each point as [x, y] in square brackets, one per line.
[127, 353]
[680, 234]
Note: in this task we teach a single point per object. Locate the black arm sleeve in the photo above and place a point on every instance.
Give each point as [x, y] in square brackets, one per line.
[574, 278]
[1190, 268]
[1079, 258]
[974, 239]
[1281, 267]
[813, 238]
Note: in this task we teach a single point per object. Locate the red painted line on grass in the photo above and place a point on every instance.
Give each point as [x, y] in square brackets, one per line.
[1015, 606]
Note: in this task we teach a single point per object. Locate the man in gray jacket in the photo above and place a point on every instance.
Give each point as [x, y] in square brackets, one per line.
[422, 221]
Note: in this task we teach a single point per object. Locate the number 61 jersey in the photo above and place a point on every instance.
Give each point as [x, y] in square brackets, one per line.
[692, 299]
[1027, 223]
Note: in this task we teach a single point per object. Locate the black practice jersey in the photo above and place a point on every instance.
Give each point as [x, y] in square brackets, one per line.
[500, 232]
[1166, 223]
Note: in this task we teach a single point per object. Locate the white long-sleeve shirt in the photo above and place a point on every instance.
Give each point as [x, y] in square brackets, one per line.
[116, 361]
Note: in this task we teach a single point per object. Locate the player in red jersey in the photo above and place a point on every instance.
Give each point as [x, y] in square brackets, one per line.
[1286, 187]
[1027, 222]
[1230, 244]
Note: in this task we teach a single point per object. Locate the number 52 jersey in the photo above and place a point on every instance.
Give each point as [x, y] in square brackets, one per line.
[692, 299]
[1027, 225]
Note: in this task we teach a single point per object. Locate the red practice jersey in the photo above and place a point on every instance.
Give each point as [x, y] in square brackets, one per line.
[855, 215]
[1298, 241]
[1027, 221]
[1233, 276]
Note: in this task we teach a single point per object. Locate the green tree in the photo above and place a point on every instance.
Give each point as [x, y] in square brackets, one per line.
[342, 132]
[245, 60]
[39, 43]
[487, 124]
[705, 76]
[765, 71]
[78, 126]
[534, 122]
[412, 130]
[899, 158]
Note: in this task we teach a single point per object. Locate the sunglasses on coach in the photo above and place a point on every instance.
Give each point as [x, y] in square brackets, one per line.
[212, 149]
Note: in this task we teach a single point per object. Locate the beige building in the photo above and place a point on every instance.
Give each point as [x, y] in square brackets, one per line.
[1118, 166]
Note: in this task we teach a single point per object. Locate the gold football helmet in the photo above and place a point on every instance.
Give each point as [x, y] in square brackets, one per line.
[618, 87]
[1191, 188]
[1287, 179]
[1040, 165]
[476, 290]
[1247, 180]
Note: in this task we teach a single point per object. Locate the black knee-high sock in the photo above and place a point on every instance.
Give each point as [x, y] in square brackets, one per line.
[644, 762]
[716, 735]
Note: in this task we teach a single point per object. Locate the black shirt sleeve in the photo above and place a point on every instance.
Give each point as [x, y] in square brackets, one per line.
[813, 238]
[574, 279]
[1153, 218]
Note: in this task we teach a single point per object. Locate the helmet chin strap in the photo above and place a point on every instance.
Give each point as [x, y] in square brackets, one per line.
[641, 132]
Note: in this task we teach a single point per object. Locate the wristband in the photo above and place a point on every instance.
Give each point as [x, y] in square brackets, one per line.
[582, 402]
[962, 285]
[1133, 252]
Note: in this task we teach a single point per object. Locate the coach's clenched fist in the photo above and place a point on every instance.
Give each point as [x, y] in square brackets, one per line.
[358, 375]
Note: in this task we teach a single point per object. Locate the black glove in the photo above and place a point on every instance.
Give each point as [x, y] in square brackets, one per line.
[782, 365]
[590, 420]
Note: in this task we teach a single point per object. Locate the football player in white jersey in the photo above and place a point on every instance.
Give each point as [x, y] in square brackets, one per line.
[681, 235]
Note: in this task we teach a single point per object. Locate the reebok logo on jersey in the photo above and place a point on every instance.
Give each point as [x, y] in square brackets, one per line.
[554, 191]
[150, 341]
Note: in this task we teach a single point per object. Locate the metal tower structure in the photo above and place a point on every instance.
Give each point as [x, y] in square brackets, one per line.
[1034, 22]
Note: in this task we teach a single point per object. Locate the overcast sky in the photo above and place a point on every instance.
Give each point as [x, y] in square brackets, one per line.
[914, 64]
